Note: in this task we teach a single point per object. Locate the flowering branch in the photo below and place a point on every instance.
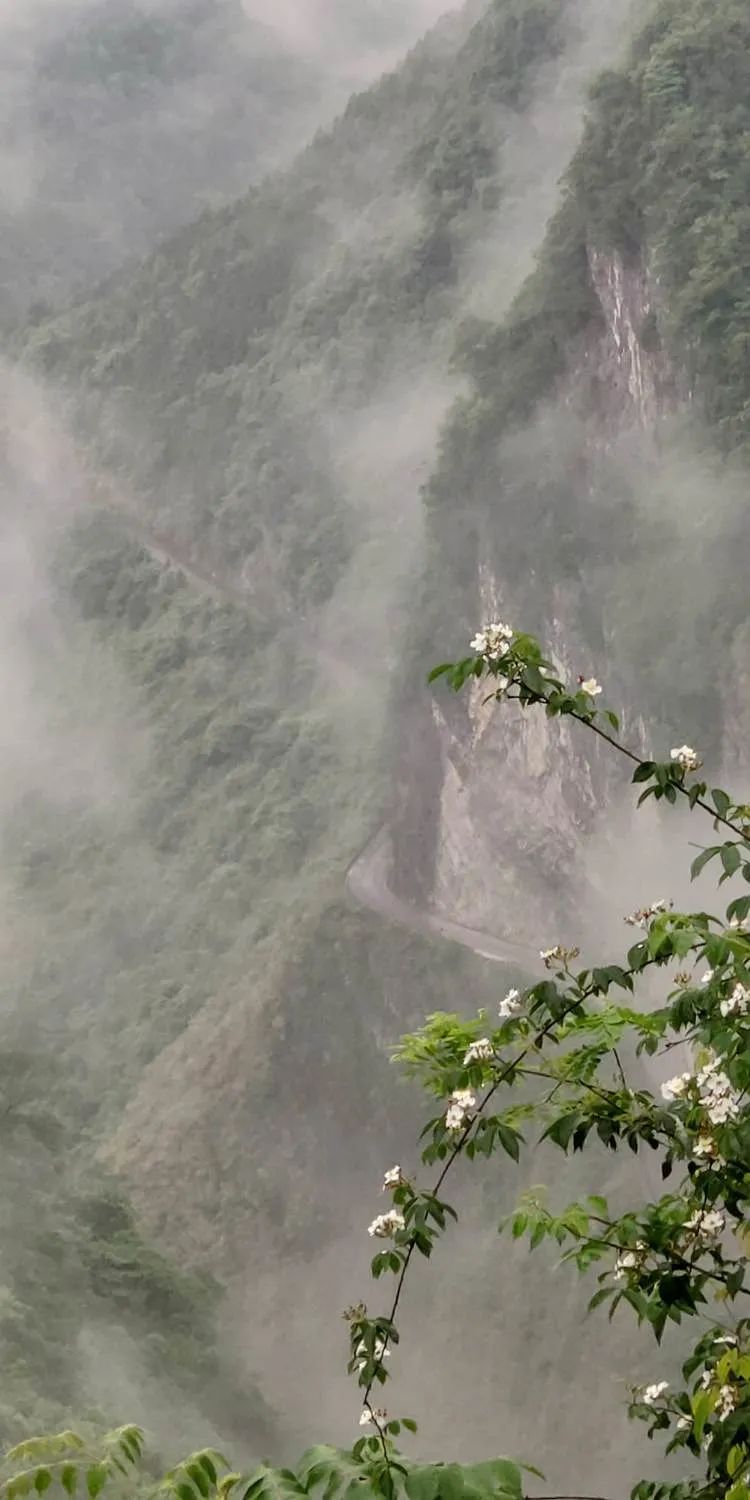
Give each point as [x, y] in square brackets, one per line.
[667, 1258]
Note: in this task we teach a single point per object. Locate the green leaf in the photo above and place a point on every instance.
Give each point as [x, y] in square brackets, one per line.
[702, 860]
[19, 1485]
[599, 1205]
[496, 1476]
[199, 1477]
[644, 771]
[721, 801]
[273, 1484]
[601, 1296]
[735, 1458]
[96, 1478]
[42, 1480]
[445, 666]
[730, 859]
[561, 1130]
[69, 1478]
[509, 1140]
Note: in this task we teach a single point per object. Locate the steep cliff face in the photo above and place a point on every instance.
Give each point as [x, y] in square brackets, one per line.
[505, 810]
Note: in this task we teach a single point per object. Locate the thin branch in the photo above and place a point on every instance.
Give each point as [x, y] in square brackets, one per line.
[511, 1067]
[638, 760]
[448, 1163]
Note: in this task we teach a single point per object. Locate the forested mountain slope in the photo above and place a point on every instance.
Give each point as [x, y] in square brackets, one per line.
[261, 402]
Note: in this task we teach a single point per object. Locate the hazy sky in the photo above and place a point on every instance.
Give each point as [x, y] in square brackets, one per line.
[362, 36]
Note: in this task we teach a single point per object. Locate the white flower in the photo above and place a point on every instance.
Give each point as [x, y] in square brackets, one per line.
[624, 1263]
[629, 1260]
[651, 1393]
[511, 1005]
[726, 1338]
[643, 915]
[373, 1414]
[685, 1423]
[706, 1224]
[737, 1003]
[705, 1146]
[386, 1225]
[591, 686]
[707, 977]
[462, 1102]
[727, 1401]
[393, 1178]
[479, 1051]
[676, 1088]
[734, 922]
[685, 757]
[493, 641]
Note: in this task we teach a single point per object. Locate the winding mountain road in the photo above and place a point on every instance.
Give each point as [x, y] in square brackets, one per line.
[367, 882]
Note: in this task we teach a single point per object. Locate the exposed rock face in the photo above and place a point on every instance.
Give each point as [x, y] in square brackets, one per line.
[632, 372]
[501, 822]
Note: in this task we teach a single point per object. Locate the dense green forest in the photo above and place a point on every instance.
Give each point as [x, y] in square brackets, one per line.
[252, 555]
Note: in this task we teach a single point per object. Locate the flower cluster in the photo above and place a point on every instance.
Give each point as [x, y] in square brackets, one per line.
[511, 1005]
[479, 1051]
[385, 1226]
[462, 1102]
[643, 915]
[493, 642]
[685, 757]
[706, 1224]
[737, 1003]
[392, 1179]
[717, 1096]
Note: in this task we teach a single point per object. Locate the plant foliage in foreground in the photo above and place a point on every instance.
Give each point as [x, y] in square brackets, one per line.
[560, 1043]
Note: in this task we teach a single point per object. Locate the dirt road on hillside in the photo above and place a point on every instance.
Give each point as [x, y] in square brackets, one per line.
[367, 882]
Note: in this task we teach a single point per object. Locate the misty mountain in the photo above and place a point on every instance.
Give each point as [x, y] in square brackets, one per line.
[254, 486]
[123, 120]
